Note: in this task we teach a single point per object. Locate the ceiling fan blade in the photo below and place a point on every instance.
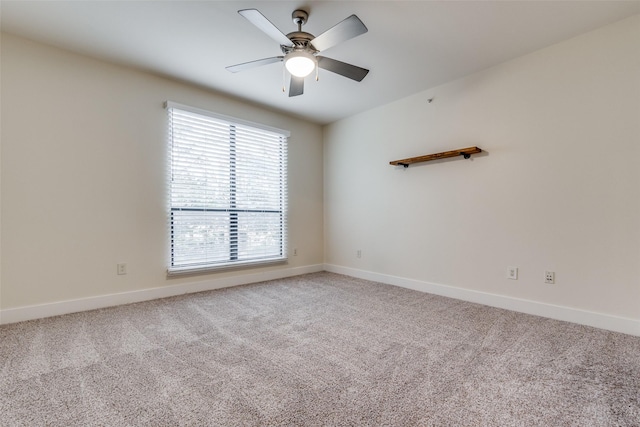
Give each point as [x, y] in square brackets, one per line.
[344, 30]
[252, 64]
[342, 68]
[260, 21]
[296, 87]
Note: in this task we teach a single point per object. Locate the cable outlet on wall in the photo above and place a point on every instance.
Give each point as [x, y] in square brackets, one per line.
[122, 269]
[359, 253]
[549, 277]
[512, 273]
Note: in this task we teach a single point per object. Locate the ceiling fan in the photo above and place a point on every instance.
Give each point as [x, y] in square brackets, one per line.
[301, 49]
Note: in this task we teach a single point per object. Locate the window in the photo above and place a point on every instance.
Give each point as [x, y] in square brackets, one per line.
[228, 191]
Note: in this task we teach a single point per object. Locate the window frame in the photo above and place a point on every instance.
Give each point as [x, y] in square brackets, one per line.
[233, 210]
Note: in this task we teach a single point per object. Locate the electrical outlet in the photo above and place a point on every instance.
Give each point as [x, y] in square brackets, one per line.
[295, 251]
[122, 269]
[512, 273]
[359, 253]
[549, 277]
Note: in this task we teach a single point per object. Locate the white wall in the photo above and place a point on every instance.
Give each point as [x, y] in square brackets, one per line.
[83, 177]
[557, 189]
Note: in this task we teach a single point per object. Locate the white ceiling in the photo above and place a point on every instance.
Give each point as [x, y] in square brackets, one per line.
[411, 46]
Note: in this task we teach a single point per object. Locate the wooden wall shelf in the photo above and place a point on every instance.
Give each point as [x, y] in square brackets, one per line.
[464, 152]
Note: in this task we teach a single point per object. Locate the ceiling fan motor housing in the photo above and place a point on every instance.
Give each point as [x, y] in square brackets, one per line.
[301, 41]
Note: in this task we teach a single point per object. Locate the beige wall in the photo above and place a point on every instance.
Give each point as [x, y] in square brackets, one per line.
[83, 176]
[558, 189]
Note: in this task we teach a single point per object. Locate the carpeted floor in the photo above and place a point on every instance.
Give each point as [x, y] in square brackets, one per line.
[319, 349]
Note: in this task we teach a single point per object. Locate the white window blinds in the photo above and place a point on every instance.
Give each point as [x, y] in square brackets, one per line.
[228, 191]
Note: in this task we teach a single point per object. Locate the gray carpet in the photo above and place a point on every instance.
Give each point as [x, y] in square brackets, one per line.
[319, 349]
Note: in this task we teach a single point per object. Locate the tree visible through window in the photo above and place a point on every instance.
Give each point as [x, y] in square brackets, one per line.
[228, 192]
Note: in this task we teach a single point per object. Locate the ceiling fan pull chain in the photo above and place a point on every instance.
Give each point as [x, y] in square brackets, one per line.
[317, 70]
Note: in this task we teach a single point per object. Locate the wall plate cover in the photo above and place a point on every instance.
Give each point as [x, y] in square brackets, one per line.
[549, 277]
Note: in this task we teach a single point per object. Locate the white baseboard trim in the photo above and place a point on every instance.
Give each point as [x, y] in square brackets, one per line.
[582, 317]
[19, 314]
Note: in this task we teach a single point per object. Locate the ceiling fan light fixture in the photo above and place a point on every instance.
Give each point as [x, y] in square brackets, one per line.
[300, 63]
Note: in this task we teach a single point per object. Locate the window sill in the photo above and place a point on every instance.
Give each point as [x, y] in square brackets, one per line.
[224, 267]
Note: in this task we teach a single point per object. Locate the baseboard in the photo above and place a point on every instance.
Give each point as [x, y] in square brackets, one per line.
[598, 320]
[582, 317]
[40, 311]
